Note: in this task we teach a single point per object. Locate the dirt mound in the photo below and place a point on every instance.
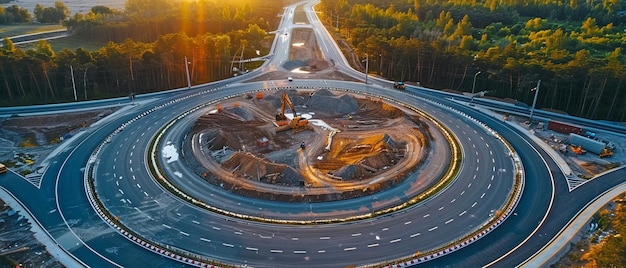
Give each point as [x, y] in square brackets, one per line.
[332, 104]
[247, 165]
[244, 114]
[358, 157]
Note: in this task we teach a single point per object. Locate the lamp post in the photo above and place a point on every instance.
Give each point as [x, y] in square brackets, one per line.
[473, 87]
[532, 108]
[85, 81]
[187, 70]
[367, 66]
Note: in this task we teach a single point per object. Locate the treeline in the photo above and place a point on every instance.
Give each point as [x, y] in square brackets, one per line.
[15, 14]
[149, 58]
[574, 47]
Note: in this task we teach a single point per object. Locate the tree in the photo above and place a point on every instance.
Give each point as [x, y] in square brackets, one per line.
[17, 14]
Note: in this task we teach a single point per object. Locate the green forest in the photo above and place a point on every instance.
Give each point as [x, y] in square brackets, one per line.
[145, 51]
[574, 47]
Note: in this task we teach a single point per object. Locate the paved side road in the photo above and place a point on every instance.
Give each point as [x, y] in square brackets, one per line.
[51, 246]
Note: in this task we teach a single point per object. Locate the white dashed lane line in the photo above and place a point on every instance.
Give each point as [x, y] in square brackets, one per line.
[432, 229]
[372, 245]
[299, 251]
[395, 241]
[462, 213]
[415, 234]
[276, 251]
[324, 237]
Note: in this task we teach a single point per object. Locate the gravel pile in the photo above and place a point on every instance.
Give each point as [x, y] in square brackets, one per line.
[325, 100]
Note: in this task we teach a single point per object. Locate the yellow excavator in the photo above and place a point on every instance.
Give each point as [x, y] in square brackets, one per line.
[283, 123]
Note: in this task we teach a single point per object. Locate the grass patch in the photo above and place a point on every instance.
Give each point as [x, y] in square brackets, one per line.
[71, 43]
[27, 28]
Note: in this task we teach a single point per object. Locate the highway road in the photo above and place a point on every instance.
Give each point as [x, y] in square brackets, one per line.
[143, 207]
[129, 192]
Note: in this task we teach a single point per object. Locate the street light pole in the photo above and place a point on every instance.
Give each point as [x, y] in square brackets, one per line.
[532, 109]
[85, 81]
[187, 70]
[473, 87]
[367, 66]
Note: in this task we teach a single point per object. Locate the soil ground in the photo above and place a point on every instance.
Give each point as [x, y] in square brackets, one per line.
[368, 140]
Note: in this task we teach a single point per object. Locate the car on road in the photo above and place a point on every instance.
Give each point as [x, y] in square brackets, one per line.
[399, 85]
[290, 79]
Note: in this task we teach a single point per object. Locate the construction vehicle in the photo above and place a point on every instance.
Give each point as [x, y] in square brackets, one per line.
[606, 152]
[399, 85]
[577, 149]
[283, 123]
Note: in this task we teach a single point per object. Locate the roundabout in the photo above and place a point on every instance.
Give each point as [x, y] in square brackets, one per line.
[412, 220]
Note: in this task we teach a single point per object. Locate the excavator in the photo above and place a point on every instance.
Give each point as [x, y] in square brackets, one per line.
[283, 123]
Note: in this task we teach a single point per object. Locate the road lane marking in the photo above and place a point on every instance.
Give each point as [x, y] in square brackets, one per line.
[122, 192]
[166, 226]
[294, 238]
[146, 194]
[440, 208]
[463, 213]
[321, 251]
[474, 204]
[324, 237]
[407, 223]
[372, 245]
[357, 234]
[117, 183]
[216, 228]
[449, 221]
[183, 233]
[253, 249]
[138, 186]
[205, 240]
[425, 216]
[490, 152]
[349, 249]
[483, 195]
[452, 201]
[493, 160]
[228, 245]
[276, 251]
[491, 177]
[299, 251]
[488, 186]
[395, 241]
[196, 222]
[469, 185]
[432, 229]
[462, 193]
[385, 229]
[415, 234]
